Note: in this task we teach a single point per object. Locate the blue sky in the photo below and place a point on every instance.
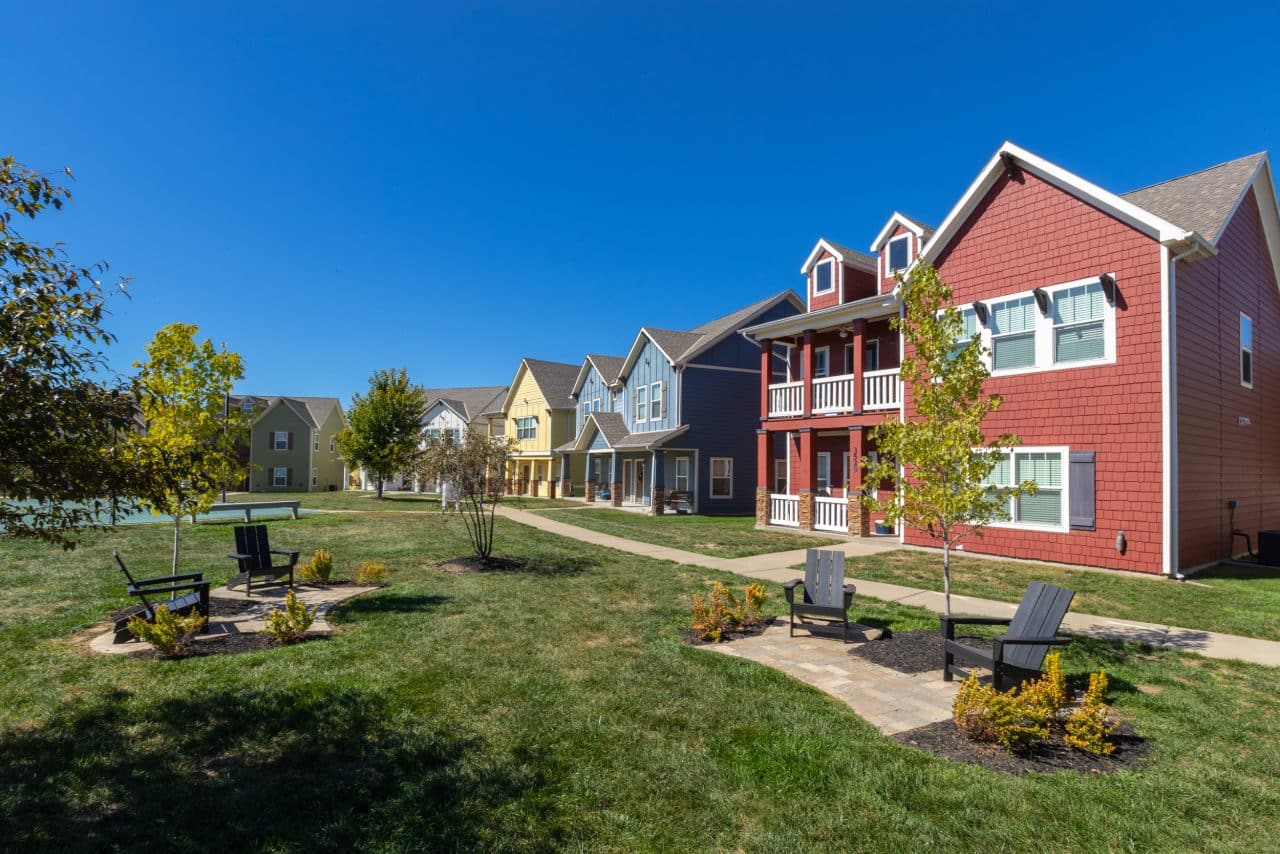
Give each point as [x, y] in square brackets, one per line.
[333, 189]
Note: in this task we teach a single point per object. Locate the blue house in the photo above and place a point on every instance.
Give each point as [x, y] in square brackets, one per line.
[671, 425]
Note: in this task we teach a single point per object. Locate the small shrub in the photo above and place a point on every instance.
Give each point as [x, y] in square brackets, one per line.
[319, 569]
[370, 572]
[984, 714]
[1048, 694]
[724, 613]
[170, 633]
[291, 622]
[1089, 728]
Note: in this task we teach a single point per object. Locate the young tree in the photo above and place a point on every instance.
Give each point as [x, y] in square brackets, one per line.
[187, 449]
[939, 460]
[61, 424]
[473, 466]
[384, 427]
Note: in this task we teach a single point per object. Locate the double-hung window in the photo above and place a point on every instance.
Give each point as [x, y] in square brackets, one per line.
[642, 404]
[655, 402]
[821, 362]
[1079, 327]
[899, 248]
[721, 477]
[315, 446]
[527, 427]
[280, 476]
[824, 277]
[1043, 468]
[1013, 334]
[824, 473]
[968, 329]
[1246, 350]
[280, 441]
[682, 474]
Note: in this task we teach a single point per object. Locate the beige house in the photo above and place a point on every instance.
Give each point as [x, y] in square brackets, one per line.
[293, 444]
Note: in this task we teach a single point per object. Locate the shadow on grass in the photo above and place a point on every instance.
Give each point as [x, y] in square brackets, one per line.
[299, 768]
[393, 604]
[1239, 571]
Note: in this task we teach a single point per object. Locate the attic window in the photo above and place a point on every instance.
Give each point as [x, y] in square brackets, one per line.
[823, 277]
[899, 252]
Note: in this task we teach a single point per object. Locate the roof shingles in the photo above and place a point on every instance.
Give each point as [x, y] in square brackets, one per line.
[1202, 201]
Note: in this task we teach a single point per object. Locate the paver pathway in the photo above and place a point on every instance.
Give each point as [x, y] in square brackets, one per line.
[890, 701]
[778, 567]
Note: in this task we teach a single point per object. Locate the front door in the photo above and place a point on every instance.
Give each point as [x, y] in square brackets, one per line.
[627, 473]
[639, 491]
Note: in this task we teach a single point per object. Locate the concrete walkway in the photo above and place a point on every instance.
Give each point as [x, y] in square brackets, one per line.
[778, 567]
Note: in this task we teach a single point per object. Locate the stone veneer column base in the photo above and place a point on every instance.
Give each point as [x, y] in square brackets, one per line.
[566, 488]
[657, 507]
[533, 487]
[858, 517]
[805, 510]
[762, 506]
[591, 492]
[616, 492]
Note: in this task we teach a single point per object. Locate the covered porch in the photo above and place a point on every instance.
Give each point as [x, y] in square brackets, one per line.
[627, 470]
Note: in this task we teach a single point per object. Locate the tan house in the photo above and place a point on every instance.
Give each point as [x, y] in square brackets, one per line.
[538, 414]
[293, 443]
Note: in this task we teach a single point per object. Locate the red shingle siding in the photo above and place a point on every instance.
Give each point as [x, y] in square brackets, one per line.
[1026, 234]
[858, 284]
[832, 297]
[1219, 458]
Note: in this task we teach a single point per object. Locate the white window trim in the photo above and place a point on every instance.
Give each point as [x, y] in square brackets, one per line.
[1253, 366]
[275, 440]
[315, 442]
[826, 353]
[847, 472]
[873, 344]
[280, 472]
[655, 396]
[830, 290]
[783, 464]
[889, 269]
[848, 359]
[315, 476]
[1065, 456]
[637, 403]
[333, 443]
[711, 477]
[530, 438]
[823, 456]
[1044, 332]
[688, 469]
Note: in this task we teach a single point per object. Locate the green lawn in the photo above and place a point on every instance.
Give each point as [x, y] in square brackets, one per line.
[718, 536]
[550, 708]
[419, 501]
[1235, 600]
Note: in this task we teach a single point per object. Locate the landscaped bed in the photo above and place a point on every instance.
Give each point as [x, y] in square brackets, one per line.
[718, 536]
[551, 706]
[1232, 599]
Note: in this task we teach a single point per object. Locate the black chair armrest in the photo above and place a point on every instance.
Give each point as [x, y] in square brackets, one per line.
[173, 588]
[849, 591]
[961, 620]
[169, 579]
[789, 588]
[238, 556]
[1005, 640]
[285, 552]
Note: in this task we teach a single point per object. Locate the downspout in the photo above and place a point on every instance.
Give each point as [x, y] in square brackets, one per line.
[1169, 387]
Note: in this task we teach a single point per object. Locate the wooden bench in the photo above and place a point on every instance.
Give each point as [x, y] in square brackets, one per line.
[680, 501]
[249, 506]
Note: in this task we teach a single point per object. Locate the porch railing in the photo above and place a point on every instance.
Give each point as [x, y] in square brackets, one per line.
[784, 510]
[833, 394]
[881, 389]
[786, 399]
[831, 514]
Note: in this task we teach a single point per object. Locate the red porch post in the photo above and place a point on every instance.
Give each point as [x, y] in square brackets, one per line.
[764, 462]
[807, 366]
[766, 374]
[859, 362]
[858, 518]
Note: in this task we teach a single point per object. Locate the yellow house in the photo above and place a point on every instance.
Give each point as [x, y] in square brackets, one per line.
[539, 415]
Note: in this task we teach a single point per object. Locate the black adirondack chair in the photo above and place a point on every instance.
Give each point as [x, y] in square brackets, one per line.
[255, 557]
[180, 594]
[1018, 654]
[825, 595]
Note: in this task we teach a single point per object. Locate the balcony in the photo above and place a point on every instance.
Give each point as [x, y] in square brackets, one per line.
[881, 390]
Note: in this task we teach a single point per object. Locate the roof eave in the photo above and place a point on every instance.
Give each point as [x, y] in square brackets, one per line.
[857, 263]
[868, 307]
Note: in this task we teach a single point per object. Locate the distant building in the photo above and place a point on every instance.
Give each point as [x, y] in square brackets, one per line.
[293, 443]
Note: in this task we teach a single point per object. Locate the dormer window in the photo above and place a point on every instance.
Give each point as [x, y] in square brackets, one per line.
[899, 253]
[824, 277]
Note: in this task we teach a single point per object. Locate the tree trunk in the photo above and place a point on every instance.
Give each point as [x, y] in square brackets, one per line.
[946, 575]
[177, 533]
[379, 486]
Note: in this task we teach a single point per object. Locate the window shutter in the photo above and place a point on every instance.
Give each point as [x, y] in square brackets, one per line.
[1083, 513]
[271, 439]
[288, 475]
[290, 445]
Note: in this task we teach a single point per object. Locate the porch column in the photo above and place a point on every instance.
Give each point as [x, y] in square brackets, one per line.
[807, 367]
[804, 477]
[566, 476]
[859, 363]
[766, 375]
[764, 463]
[659, 484]
[615, 480]
[859, 518]
[593, 471]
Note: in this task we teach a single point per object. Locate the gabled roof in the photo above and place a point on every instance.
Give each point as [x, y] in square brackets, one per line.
[877, 305]
[1202, 201]
[312, 411]
[606, 366]
[921, 231]
[469, 403]
[613, 427]
[843, 254]
[680, 347]
[554, 379]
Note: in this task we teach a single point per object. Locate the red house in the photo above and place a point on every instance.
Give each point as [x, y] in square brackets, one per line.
[1131, 338]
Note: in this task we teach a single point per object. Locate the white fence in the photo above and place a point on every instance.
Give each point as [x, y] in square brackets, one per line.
[833, 394]
[784, 510]
[881, 389]
[831, 514]
[786, 399]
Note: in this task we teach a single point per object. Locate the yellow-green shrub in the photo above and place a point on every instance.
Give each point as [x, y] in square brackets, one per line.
[319, 569]
[291, 622]
[1049, 692]
[170, 633]
[984, 714]
[1089, 727]
[723, 613]
[370, 572]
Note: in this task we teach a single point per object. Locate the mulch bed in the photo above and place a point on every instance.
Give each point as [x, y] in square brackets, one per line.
[945, 740]
[906, 652]
[689, 637]
[471, 563]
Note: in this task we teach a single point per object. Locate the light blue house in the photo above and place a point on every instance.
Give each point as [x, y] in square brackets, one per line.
[671, 425]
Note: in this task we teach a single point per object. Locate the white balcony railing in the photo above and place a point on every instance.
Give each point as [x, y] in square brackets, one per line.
[784, 510]
[786, 399]
[833, 394]
[881, 389]
[831, 514]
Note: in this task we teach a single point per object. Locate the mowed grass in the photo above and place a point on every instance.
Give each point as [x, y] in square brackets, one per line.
[718, 536]
[390, 501]
[550, 708]
[1231, 599]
